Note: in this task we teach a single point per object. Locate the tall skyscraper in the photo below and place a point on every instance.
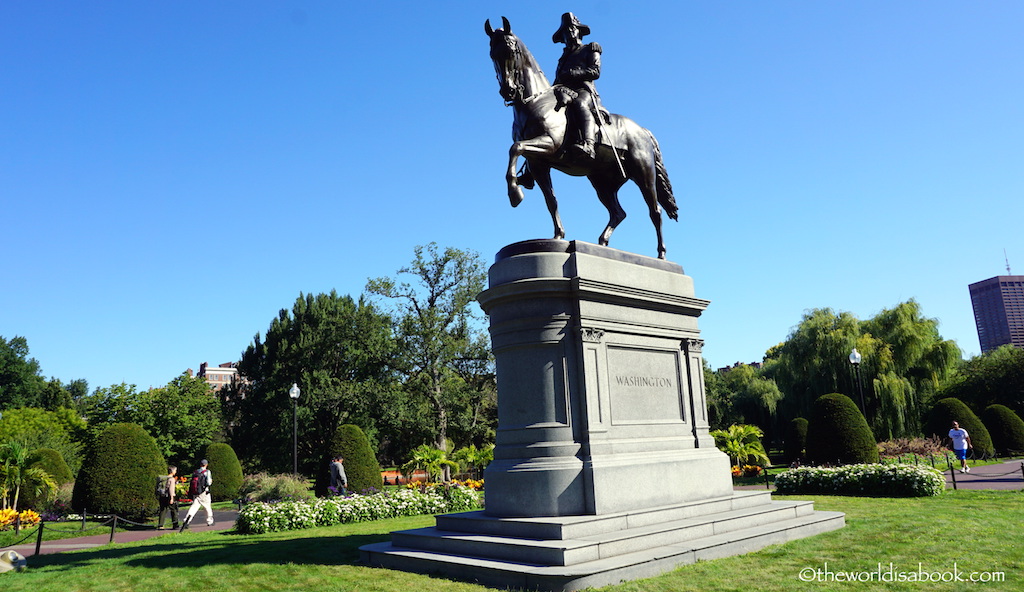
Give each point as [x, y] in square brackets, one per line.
[999, 311]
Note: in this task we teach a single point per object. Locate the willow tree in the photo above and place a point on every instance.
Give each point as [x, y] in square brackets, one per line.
[904, 360]
[439, 326]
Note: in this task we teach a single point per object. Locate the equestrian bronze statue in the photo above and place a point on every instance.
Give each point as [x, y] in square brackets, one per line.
[565, 127]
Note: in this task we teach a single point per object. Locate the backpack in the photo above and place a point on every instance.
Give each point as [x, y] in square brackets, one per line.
[199, 484]
[161, 487]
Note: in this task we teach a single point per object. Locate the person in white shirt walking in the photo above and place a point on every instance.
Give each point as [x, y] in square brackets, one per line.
[199, 488]
[961, 442]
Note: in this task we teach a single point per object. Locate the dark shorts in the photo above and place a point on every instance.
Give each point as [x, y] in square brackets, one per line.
[960, 454]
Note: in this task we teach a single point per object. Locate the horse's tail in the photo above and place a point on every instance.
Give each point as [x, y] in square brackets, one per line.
[663, 185]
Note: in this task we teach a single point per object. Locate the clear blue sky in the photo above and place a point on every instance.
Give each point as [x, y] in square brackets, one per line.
[174, 173]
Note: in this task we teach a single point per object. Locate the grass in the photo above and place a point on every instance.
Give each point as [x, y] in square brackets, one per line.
[978, 530]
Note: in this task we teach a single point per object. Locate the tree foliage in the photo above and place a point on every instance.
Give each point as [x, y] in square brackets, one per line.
[340, 352]
[904, 361]
[20, 381]
[838, 433]
[996, 377]
[17, 474]
[184, 416]
[35, 428]
[447, 357]
[796, 440]
[117, 477]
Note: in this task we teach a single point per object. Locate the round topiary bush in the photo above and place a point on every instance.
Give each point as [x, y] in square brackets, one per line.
[51, 461]
[226, 470]
[945, 412]
[361, 466]
[1005, 427]
[117, 476]
[796, 440]
[838, 433]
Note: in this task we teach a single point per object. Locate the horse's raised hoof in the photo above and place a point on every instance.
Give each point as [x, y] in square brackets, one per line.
[515, 195]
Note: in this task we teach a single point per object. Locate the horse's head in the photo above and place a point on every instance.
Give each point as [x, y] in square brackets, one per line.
[507, 55]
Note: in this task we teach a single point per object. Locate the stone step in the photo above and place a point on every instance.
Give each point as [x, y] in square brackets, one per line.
[603, 571]
[573, 527]
[600, 545]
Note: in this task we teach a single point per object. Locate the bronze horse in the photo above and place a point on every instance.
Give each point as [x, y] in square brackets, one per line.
[626, 151]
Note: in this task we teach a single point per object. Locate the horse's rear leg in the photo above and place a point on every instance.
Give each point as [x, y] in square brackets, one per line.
[608, 193]
[648, 188]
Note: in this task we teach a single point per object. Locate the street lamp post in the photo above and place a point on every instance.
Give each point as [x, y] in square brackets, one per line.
[855, 359]
[294, 393]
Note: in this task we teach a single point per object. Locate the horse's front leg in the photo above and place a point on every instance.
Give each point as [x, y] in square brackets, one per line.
[538, 145]
[542, 175]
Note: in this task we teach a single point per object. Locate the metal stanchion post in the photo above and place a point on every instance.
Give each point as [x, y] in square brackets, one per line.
[39, 537]
[113, 528]
[952, 474]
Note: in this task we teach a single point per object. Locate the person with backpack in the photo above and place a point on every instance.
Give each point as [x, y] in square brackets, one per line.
[199, 489]
[165, 495]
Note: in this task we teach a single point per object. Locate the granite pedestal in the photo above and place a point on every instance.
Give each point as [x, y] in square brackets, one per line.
[603, 467]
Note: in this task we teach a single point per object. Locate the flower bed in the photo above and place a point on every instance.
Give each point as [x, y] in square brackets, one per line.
[263, 517]
[865, 480]
[9, 517]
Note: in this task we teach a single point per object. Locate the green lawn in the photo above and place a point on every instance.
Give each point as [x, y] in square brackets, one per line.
[975, 530]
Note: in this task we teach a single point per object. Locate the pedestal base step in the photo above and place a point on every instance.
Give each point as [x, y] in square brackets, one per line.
[597, 559]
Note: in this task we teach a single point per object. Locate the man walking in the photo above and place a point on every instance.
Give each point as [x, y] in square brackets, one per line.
[339, 481]
[166, 496]
[199, 488]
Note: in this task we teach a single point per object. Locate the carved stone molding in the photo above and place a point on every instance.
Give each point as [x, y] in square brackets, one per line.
[591, 335]
[693, 345]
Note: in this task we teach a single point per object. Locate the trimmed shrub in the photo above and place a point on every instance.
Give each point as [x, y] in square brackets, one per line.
[838, 433]
[117, 475]
[950, 409]
[796, 440]
[226, 470]
[52, 462]
[1005, 427]
[361, 466]
[863, 480]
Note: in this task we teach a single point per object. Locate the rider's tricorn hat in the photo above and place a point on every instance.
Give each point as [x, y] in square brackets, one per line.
[570, 19]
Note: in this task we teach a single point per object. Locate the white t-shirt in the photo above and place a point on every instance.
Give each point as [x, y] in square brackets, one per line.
[959, 436]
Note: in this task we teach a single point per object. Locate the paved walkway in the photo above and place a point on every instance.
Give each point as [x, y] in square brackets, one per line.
[224, 520]
[1007, 475]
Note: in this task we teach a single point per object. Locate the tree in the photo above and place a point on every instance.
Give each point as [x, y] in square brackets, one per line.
[434, 462]
[742, 443]
[753, 398]
[119, 471]
[904, 361]
[340, 352]
[20, 381]
[54, 396]
[34, 428]
[473, 459]
[184, 416]
[838, 432]
[796, 440]
[438, 325]
[996, 377]
[52, 463]
[16, 474]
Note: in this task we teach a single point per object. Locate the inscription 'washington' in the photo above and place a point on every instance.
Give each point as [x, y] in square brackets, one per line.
[644, 381]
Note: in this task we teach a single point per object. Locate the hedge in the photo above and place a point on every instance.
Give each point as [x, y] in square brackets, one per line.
[1005, 427]
[946, 411]
[837, 433]
[118, 475]
[874, 480]
[226, 470]
[361, 467]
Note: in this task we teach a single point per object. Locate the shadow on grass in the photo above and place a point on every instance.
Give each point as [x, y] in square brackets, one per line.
[233, 550]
